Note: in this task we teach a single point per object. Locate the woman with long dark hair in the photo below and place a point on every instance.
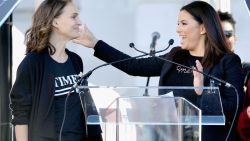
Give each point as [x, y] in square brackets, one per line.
[203, 46]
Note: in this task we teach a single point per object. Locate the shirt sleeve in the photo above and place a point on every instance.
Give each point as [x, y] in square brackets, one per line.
[20, 94]
[148, 66]
[231, 72]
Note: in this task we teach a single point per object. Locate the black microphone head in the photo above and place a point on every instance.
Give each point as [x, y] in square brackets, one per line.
[171, 41]
[156, 34]
[132, 45]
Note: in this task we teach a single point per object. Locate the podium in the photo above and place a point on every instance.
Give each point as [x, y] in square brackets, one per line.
[165, 117]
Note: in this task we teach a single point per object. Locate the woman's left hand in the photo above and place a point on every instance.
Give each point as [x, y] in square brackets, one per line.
[198, 77]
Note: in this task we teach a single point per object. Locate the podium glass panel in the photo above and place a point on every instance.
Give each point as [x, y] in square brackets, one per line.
[134, 117]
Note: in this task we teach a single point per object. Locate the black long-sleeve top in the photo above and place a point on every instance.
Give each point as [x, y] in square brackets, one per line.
[32, 97]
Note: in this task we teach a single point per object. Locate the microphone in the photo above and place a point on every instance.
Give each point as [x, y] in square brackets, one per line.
[227, 84]
[170, 42]
[155, 36]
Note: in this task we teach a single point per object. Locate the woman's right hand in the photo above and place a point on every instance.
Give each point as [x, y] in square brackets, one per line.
[198, 77]
[86, 38]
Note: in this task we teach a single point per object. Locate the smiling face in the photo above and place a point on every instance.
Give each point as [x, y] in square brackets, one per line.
[67, 24]
[191, 33]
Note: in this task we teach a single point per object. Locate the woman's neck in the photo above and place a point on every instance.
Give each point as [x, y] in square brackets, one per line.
[198, 53]
[199, 50]
[60, 54]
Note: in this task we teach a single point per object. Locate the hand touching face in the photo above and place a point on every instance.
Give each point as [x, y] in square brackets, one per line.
[86, 38]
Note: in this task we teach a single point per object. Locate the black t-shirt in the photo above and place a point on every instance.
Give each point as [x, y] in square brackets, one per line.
[74, 125]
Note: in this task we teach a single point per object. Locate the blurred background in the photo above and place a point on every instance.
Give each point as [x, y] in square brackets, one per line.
[117, 22]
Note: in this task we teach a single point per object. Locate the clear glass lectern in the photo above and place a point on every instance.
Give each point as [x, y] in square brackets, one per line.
[162, 115]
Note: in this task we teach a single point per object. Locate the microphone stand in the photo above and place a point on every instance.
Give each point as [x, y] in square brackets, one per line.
[146, 89]
[132, 45]
[86, 76]
[220, 81]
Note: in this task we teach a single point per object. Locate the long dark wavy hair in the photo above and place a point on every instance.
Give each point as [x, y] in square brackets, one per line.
[215, 42]
[37, 37]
